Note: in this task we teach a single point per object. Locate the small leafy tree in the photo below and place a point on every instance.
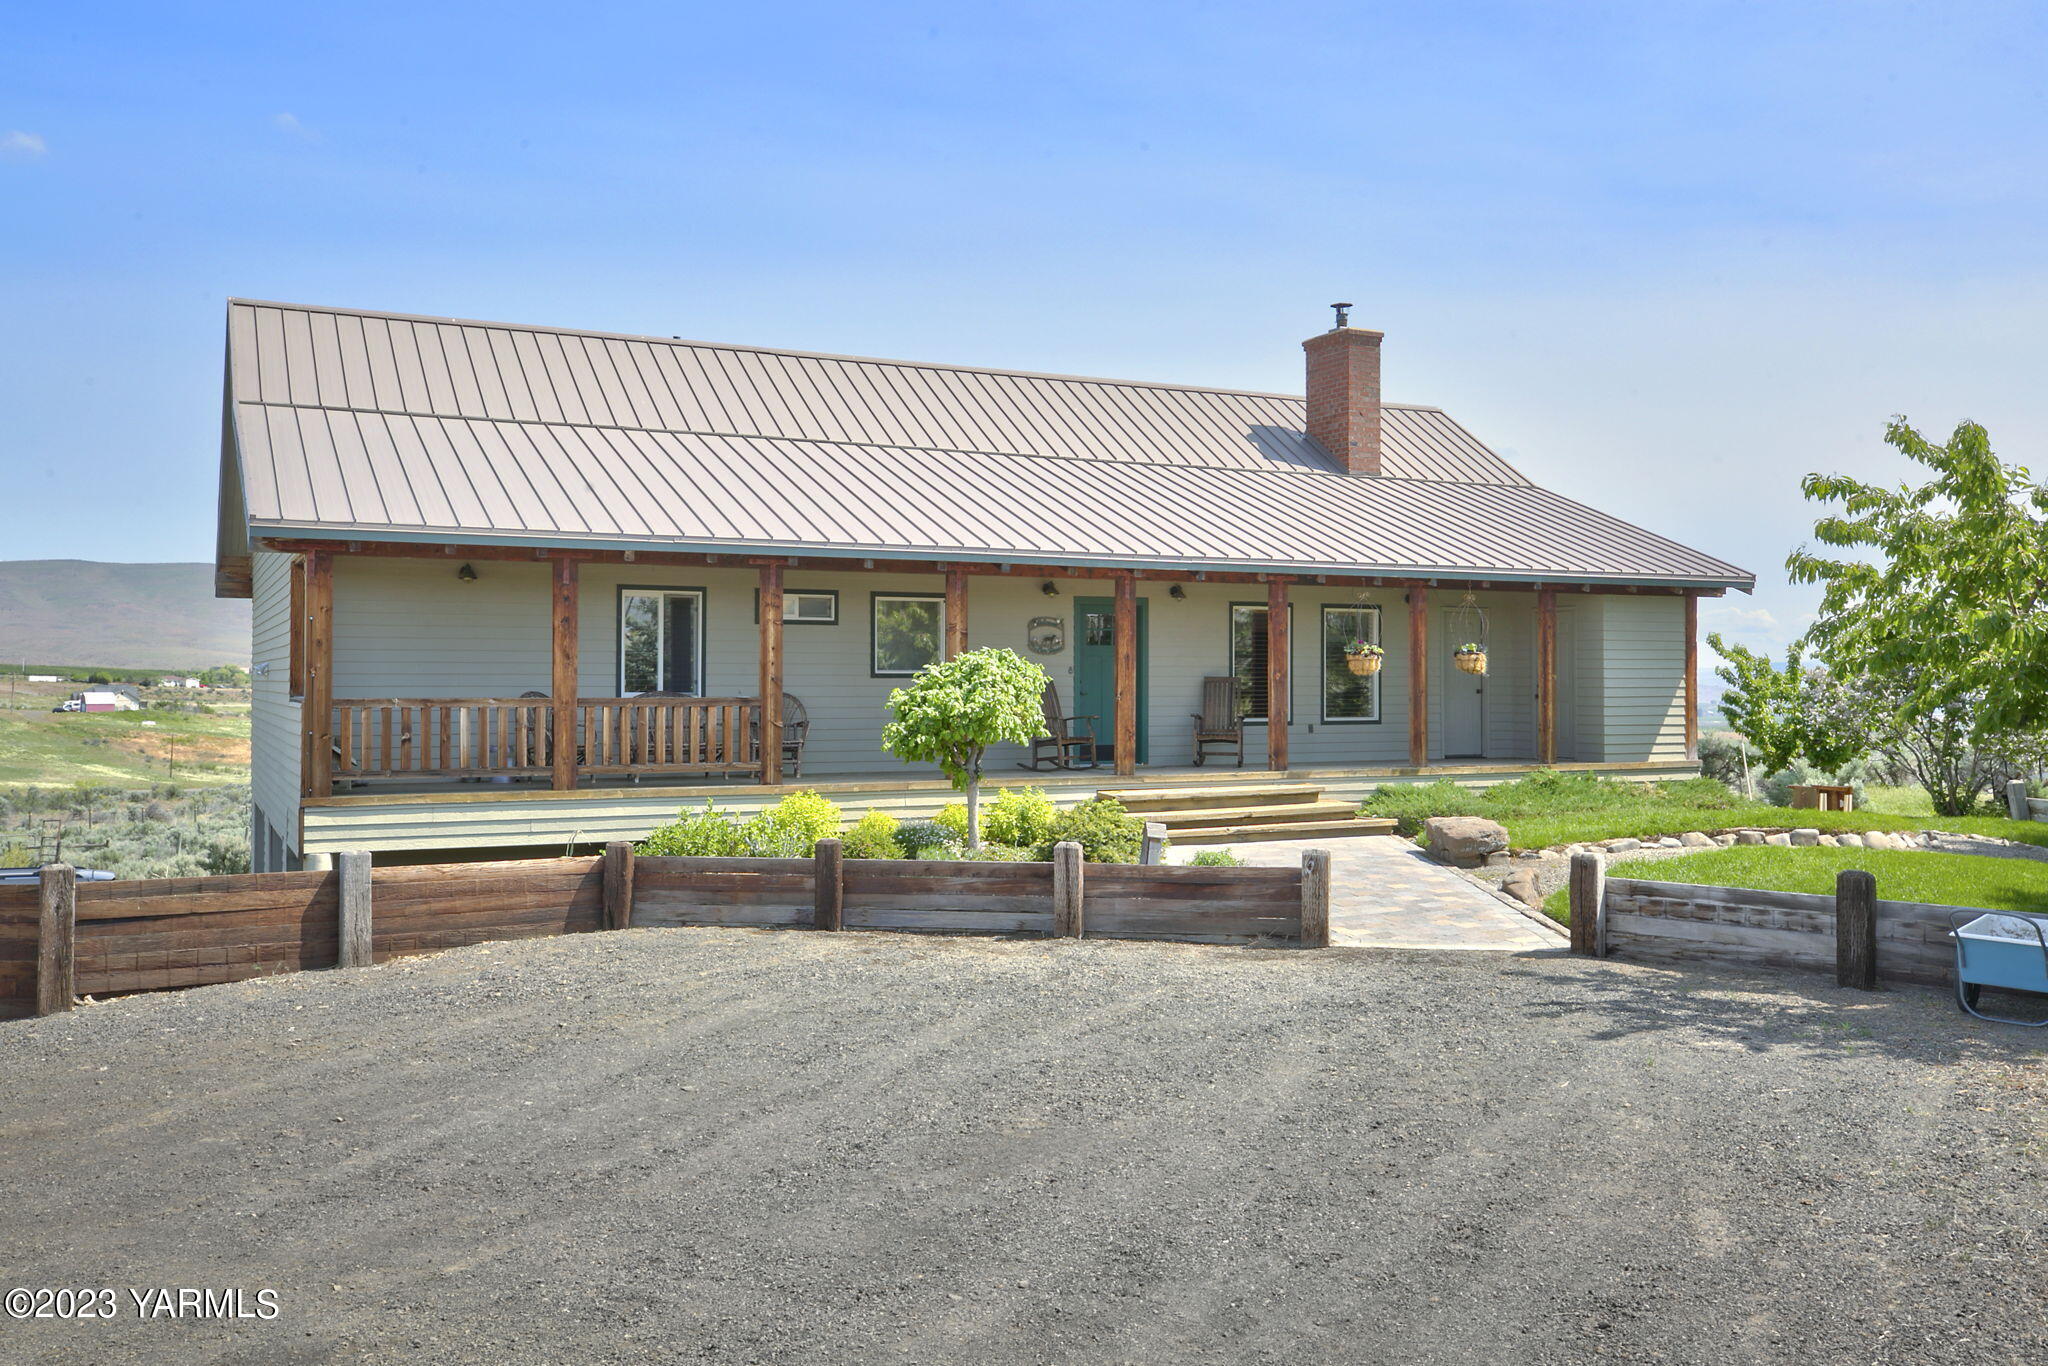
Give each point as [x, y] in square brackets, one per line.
[1789, 713]
[1946, 597]
[955, 709]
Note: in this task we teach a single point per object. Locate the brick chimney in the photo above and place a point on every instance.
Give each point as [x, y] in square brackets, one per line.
[1344, 393]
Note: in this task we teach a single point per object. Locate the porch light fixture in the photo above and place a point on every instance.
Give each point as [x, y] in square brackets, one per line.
[1177, 593]
[467, 573]
[1049, 588]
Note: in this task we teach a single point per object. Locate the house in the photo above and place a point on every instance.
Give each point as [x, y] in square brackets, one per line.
[118, 697]
[177, 681]
[466, 541]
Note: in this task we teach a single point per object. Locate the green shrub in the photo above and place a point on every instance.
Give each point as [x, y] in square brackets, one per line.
[953, 818]
[807, 813]
[992, 852]
[1706, 793]
[1104, 830]
[1216, 858]
[927, 839]
[709, 833]
[873, 836]
[1019, 816]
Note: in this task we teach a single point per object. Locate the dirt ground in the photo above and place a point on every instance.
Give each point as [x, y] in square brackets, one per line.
[734, 1146]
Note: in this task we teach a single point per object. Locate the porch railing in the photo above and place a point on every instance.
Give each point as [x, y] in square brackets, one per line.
[489, 737]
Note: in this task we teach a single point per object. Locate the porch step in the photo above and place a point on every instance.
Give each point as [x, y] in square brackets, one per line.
[1276, 813]
[1282, 830]
[1136, 799]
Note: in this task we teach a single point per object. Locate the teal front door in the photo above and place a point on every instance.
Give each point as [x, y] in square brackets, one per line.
[1095, 672]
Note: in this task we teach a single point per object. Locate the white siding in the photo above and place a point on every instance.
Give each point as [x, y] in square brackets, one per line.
[273, 715]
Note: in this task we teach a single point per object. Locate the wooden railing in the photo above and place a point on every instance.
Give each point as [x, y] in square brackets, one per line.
[478, 737]
[637, 734]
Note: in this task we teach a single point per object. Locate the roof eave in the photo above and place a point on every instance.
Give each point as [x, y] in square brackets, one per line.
[973, 555]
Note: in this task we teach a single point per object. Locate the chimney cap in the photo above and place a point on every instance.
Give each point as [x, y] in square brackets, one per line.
[1343, 316]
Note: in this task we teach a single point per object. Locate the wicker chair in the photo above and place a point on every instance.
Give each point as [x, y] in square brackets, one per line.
[1218, 723]
[1070, 740]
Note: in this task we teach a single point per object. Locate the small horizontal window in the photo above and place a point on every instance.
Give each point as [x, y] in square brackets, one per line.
[805, 606]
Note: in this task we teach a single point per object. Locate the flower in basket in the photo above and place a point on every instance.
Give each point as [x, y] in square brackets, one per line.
[1363, 648]
[1471, 648]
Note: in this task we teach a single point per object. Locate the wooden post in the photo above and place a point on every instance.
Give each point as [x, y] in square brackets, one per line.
[1126, 673]
[1153, 850]
[1546, 674]
[2016, 800]
[1315, 898]
[1588, 897]
[56, 938]
[771, 673]
[1276, 674]
[316, 773]
[1418, 675]
[618, 885]
[956, 611]
[1066, 889]
[1856, 929]
[356, 948]
[563, 688]
[1692, 675]
[828, 874]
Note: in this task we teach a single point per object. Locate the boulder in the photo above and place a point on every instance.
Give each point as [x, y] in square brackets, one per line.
[1622, 846]
[1693, 839]
[1877, 839]
[1781, 840]
[1497, 860]
[1749, 837]
[1530, 853]
[1521, 885]
[1464, 841]
[1805, 838]
[1670, 842]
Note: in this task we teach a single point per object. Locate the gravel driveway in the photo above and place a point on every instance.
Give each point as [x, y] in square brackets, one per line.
[740, 1146]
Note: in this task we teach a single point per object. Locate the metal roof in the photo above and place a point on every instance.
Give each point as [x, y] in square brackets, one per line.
[380, 425]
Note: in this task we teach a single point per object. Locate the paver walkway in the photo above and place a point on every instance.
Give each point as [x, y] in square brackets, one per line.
[1386, 893]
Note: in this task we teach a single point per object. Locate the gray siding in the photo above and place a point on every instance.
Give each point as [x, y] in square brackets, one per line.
[411, 628]
[273, 715]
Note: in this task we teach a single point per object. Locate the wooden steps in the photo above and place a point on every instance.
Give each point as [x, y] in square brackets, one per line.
[1221, 813]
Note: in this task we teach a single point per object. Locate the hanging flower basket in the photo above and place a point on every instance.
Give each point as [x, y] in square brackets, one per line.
[1363, 657]
[1471, 658]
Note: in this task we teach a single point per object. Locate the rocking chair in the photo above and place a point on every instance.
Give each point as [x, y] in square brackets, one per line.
[1218, 723]
[1070, 739]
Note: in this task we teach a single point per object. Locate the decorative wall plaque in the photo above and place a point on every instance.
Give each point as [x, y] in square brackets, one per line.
[1047, 636]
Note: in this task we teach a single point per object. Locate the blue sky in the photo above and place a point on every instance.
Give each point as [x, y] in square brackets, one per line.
[1666, 257]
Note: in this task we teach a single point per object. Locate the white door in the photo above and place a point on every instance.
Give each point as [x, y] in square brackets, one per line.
[1464, 695]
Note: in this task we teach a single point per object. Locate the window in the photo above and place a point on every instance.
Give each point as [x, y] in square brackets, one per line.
[661, 641]
[1348, 696]
[1248, 658]
[805, 606]
[909, 632]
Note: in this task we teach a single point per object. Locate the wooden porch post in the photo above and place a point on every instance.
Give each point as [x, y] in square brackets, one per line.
[1546, 674]
[1276, 674]
[1692, 674]
[771, 673]
[1418, 675]
[1126, 673]
[316, 710]
[563, 686]
[956, 611]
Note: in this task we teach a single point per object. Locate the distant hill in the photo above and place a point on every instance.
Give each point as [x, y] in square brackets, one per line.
[149, 616]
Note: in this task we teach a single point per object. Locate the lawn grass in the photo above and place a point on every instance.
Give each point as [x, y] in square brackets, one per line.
[44, 749]
[1999, 884]
[1572, 808]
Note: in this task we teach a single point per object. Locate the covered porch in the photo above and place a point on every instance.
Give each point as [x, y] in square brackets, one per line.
[397, 638]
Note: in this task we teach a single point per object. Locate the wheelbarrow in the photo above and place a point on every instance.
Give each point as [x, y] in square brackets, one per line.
[2007, 949]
